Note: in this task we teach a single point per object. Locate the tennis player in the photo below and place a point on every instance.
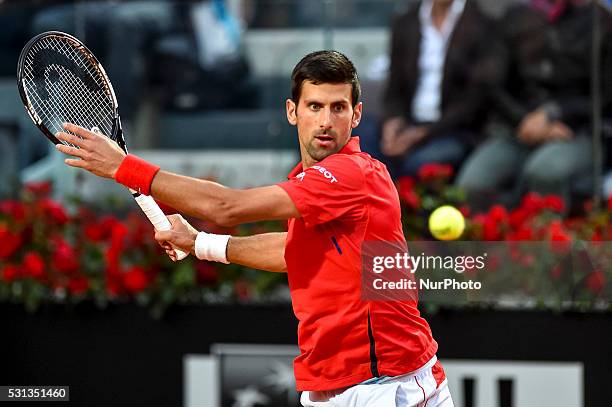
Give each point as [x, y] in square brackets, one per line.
[354, 352]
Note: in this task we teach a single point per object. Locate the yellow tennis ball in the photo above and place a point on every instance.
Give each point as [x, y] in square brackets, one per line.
[446, 223]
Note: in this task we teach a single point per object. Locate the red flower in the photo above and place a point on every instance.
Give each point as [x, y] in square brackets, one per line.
[14, 209]
[478, 222]
[532, 202]
[78, 285]
[490, 230]
[135, 279]
[554, 203]
[430, 172]
[141, 231]
[112, 256]
[405, 188]
[118, 233]
[94, 232]
[34, 265]
[465, 211]
[101, 230]
[518, 217]
[64, 258]
[494, 223]
[10, 273]
[560, 239]
[53, 210]
[206, 273]
[405, 182]
[610, 203]
[522, 233]
[38, 188]
[9, 243]
[596, 281]
[498, 213]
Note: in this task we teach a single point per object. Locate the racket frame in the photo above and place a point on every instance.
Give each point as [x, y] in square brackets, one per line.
[147, 204]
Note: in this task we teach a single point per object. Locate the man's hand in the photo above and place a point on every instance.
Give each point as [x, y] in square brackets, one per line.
[97, 154]
[181, 235]
[534, 127]
[390, 130]
[403, 141]
[391, 127]
[559, 131]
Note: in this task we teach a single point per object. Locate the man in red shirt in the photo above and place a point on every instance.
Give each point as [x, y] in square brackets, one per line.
[353, 351]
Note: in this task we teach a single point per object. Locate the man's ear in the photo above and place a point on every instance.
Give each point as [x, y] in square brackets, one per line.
[291, 108]
[357, 115]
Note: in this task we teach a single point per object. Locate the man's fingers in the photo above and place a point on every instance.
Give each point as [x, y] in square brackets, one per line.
[174, 219]
[76, 163]
[171, 254]
[70, 138]
[164, 244]
[70, 150]
[80, 131]
[163, 235]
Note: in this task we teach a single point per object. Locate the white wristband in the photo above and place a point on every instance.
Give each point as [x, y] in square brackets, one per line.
[211, 247]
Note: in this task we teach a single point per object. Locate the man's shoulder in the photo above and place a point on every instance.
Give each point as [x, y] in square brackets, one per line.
[353, 167]
[357, 161]
[358, 165]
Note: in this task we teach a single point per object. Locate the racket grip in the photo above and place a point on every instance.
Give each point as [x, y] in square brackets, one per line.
[157, 218]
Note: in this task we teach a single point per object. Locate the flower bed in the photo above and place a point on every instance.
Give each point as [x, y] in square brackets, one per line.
[55, 253]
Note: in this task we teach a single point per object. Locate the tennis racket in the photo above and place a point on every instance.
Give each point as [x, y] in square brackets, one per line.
[60, 80]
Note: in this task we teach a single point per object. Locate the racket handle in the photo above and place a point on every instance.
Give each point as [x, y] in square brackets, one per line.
[157, 218]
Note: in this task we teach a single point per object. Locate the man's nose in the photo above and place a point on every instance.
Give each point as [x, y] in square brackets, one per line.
[325, 119]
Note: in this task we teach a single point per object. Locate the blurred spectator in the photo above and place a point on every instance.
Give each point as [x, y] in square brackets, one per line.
[545, 144]
[205, 68]
[441, 63]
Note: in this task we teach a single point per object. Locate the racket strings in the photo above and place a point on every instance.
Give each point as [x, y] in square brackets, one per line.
[60, 94]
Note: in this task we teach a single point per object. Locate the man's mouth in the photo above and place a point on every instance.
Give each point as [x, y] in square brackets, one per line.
[324, 137]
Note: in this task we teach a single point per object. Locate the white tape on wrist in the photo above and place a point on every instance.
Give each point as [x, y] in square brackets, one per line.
[211, 247]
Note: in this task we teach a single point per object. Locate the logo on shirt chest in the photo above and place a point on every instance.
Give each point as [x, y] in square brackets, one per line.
[325, 173]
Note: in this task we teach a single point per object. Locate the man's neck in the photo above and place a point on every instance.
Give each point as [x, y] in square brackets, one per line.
[308, 162]
[439, 12]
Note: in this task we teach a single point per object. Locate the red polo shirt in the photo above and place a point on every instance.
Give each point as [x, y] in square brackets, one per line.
[344, 200]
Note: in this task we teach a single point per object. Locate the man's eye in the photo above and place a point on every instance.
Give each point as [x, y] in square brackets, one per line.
[338, 108]
[314, 106]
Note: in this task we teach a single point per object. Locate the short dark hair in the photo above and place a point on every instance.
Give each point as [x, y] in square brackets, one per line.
[325, 67]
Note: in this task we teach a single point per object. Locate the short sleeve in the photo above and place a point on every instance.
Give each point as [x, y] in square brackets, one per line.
[329, 190]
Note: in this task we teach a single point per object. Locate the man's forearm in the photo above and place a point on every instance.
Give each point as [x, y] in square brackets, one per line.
[263, 252]
[199, 198]
[222, 205]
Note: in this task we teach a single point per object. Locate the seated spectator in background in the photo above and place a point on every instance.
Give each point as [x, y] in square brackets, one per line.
[545, 104]
[441, 63]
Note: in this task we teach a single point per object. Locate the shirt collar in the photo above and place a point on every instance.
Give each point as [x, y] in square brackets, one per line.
[351, 147]
[455, 11]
